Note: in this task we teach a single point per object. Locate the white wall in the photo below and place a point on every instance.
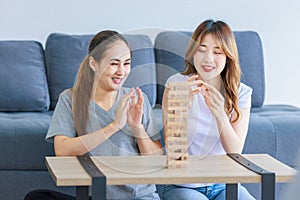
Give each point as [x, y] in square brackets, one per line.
[277, 22]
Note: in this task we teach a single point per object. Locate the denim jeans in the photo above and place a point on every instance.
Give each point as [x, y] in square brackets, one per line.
[212, 192]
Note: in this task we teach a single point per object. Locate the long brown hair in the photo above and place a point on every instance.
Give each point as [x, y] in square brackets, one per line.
[82, 90]
[231, 74]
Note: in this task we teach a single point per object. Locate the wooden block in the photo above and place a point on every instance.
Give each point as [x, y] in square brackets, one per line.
[177, 96]
[180, 88]
[178, 107]
[176, 124]
[183, 92]
[177, 163]
[182, 116]
[178, 119]
[174, 130]
[180, 144]
[178, 84]
[176, 141]
[179, 103]
[177, 111]
[178, 100]
[177, 157]
[176, 115]
[176, 134]
[176, 149]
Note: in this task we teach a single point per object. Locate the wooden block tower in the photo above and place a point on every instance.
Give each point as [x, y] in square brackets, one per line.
[178, 98]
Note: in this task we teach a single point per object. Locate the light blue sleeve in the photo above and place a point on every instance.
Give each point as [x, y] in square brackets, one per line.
[62, 120]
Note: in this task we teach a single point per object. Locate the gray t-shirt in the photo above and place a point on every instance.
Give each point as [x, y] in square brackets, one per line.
[121, 143]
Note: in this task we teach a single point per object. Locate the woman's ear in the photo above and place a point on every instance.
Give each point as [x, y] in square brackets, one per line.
[92, 63]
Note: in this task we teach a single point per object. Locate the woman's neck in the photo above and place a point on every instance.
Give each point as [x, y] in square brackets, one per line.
[216, 82]
[105, 99]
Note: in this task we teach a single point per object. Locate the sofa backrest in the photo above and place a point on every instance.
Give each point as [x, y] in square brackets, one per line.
[64, 54]
[23, 85]
[170, 49]
[24, 82]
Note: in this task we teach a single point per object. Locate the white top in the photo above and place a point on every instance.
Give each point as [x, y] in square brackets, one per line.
[203, 134]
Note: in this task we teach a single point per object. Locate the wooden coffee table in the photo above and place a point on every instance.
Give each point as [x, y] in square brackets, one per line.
[120, 170]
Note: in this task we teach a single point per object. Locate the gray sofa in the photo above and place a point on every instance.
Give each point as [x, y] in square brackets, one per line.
[33, 76]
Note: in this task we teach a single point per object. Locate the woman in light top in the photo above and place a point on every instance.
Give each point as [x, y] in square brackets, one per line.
[100, 117]
[220, 108]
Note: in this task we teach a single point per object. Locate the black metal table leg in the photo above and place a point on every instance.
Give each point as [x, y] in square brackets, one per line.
[267, 178]
[98, 178]
[231, 191]
[268, 186]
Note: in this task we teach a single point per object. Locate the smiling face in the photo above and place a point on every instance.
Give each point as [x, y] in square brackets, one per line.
[209, 59]
[114, 67]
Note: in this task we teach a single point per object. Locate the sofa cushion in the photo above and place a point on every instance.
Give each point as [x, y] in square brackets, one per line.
[252, 64]
[15, 184]
[143, 68]
[170, 49]
[64, 54]
[285, 120]
[23, 85]
[261, 137]
[22, 144]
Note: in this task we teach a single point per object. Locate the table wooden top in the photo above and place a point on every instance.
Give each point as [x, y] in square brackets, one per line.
[67, 171]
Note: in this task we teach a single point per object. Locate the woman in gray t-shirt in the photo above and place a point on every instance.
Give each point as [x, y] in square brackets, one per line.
[99, 117]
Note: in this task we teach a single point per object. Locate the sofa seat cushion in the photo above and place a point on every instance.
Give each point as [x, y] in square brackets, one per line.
[22, 143]
[261, 137]
[23, 84]
[15, 184]
[285, 120]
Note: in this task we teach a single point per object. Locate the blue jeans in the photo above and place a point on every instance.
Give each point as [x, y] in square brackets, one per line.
[212, 192]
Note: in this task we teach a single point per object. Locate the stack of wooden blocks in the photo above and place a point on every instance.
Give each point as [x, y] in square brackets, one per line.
[178, 99]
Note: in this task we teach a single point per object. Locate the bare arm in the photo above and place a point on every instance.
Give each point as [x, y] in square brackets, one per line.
[146, 145]
[67, 146]
[233, 135]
